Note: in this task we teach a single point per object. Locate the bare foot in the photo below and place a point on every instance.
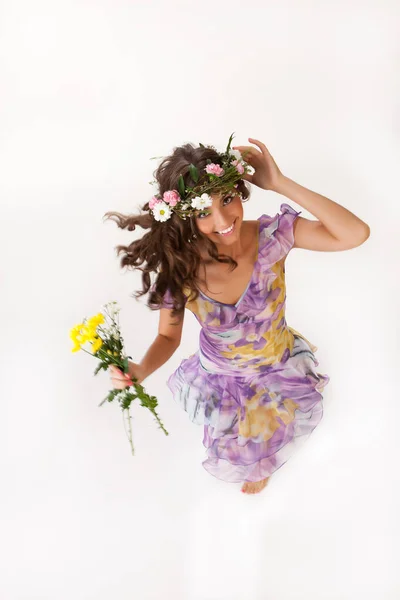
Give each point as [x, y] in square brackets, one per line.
[253, 487]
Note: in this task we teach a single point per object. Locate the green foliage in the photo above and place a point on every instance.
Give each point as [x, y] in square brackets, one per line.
[181, 186]
[111, 352]
[194, 174]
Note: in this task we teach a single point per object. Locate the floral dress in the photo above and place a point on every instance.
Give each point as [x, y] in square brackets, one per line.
[253, 382]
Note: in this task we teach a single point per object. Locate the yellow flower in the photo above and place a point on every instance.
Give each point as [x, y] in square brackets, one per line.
[82, 338]
[93, 322]
[97, 344]
[90, 335]
[75, 331]
[76, 338]
[81, 334]
[87, 332]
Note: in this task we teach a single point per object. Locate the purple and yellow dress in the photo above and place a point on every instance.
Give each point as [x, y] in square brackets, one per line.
[253, 382]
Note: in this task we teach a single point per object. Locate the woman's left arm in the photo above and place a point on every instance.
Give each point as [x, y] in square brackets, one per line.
[336, 229]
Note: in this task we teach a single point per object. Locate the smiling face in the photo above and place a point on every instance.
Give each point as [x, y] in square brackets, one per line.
[223, 223]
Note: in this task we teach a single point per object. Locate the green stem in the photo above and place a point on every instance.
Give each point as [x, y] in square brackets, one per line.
[115, 360]
[158, 419]
[130, 428]
[130, 432]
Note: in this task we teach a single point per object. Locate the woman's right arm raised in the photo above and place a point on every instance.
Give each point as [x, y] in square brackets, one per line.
[162, 348]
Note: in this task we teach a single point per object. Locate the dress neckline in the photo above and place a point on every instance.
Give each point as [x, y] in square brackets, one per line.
[251, 277]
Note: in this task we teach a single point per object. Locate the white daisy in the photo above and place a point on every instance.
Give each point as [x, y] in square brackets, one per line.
[201, 202]
[237, 154]
[162, 211]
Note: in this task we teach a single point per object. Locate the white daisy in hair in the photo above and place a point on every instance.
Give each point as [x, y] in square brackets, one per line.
[201, 202]
[161, 211]
[237, 154]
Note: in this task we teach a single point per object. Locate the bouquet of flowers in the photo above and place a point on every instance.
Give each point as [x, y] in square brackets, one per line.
[107, 346]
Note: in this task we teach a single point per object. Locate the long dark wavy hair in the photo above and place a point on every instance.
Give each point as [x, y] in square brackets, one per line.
[170, 249]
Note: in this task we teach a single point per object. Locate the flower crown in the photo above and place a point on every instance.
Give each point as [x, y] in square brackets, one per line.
[192, 201]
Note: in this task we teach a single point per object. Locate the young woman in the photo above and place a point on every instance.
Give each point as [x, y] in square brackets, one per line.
[253, 382]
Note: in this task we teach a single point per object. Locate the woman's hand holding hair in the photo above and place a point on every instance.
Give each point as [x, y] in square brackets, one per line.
[267, 174]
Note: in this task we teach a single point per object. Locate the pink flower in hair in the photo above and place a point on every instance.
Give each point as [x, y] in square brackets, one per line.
[239, 166]
[153, 202]
[171, 197]
[215, 170]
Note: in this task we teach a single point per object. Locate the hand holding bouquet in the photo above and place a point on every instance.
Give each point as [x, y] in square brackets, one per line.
[108, 347]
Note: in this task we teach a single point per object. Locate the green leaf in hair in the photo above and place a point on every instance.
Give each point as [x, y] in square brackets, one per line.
[229, 143]
[193, 173]
[181, 185]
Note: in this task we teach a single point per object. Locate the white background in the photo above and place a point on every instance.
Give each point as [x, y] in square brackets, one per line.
[90, 90]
